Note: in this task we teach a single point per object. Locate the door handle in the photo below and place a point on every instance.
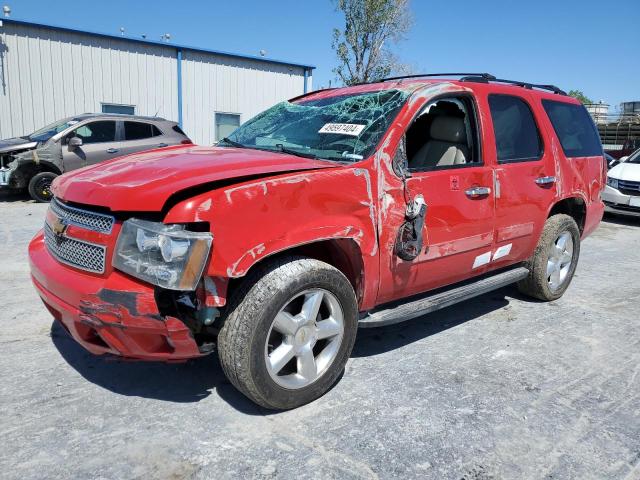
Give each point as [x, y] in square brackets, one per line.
[162, 145]
[477, 192]
[112, 150]
[545, 181]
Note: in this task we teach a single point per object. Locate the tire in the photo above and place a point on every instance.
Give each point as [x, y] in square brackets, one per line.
[40, 186]
[550, 268]
[249, 335]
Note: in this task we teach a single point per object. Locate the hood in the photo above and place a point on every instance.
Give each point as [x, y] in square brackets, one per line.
[144, 181]
[15, 144]
[626, 171]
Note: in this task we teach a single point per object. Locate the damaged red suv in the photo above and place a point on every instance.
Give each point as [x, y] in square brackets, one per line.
[344, 208]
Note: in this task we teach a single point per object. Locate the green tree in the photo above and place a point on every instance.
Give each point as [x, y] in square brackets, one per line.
[580, 96]
[362, 46]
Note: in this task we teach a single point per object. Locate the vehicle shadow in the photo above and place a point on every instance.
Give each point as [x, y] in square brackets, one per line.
[624, 220]
[374, 341]
[186, 382]
[195, 380]
[15, 197]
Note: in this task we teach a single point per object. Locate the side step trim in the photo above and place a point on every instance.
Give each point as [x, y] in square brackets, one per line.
[432, 302]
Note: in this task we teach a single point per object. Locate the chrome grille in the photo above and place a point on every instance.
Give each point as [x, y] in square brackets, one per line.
[98, 222]
[76, 253]
[629, 188]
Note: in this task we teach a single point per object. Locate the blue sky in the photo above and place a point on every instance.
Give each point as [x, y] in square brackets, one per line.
[582, 44]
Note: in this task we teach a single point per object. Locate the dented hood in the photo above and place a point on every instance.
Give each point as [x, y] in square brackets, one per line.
[18, 143]
[626, 171]
[144, 181]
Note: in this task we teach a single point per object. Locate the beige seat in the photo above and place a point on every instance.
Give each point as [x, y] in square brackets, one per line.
[447, 145]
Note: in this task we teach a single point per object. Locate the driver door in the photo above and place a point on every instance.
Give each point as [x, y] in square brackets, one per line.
[457, 188]
[98, 144]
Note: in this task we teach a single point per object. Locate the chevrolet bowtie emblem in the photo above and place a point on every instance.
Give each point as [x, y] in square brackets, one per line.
[59, 226]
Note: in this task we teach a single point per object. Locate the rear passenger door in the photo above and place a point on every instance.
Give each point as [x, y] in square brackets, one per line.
[524, 176]
[138, 136]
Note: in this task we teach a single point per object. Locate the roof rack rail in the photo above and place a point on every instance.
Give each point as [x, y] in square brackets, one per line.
[481, 78]
[528, 85]
[485, 76]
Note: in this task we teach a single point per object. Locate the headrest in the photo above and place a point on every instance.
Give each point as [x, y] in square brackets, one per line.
[448, 129]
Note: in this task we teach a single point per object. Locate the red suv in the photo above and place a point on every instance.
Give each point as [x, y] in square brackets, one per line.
[344, 208]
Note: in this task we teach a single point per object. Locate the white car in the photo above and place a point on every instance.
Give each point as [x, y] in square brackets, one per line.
[622, 193]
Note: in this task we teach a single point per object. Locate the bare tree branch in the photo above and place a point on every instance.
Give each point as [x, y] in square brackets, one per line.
[371, 26]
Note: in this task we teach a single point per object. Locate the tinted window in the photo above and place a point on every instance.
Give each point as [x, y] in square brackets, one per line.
[177, 129]
[137, 130]
[575, 129]
[96, 132]
[226, 124]
[517, 136]
[114, 108]
[156, 131]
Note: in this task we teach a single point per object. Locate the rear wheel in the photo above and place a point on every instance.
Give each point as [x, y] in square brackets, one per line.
[555, 259]
[40, 186]
[288, 332]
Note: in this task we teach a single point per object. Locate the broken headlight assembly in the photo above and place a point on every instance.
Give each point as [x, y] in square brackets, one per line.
[165, 255]
[612, 182]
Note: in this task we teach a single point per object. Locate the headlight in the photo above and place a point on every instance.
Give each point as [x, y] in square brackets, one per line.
[612, 182]
[165, 255]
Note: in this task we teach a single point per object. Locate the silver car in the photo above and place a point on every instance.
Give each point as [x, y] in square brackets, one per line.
[33, 161]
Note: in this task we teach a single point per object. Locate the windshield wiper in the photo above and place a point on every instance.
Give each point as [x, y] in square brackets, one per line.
[232, 143]
[297, 153]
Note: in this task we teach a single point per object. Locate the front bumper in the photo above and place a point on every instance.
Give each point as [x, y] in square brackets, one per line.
[617, 202]
[114, 314]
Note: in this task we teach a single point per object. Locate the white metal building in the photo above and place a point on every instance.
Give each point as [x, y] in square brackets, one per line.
[49, 72]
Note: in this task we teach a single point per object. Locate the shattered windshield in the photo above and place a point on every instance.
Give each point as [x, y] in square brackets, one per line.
[344, 128]
[45, 133]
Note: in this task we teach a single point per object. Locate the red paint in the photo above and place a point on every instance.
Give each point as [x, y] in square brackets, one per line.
[258, 204]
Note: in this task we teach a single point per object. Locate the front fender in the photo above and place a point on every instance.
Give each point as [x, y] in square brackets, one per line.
[255, 219]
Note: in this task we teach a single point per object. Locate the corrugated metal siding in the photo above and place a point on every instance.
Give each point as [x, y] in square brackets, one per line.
[47, 74]
[217, 84]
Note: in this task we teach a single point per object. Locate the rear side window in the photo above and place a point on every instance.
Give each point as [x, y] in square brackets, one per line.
[517, 135]
[137, 130]
[574, 128]
[177, 129]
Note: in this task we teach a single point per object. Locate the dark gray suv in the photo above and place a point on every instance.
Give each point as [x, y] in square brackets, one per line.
[33, 161]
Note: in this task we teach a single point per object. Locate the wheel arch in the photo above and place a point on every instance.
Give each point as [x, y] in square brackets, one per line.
[574, 206]
[343, 254]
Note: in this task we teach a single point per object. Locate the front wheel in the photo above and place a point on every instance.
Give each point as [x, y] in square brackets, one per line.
[40, 186]
[555, 259]
[288, 332]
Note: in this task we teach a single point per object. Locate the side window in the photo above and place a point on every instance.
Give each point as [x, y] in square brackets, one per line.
[226, 123]
[517, 135]
[96, 132]
[444, 135]
[575, 129]
[117, 108]
[156, 131]
[137, 130]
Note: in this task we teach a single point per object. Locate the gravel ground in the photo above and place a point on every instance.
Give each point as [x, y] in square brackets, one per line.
[500, 387]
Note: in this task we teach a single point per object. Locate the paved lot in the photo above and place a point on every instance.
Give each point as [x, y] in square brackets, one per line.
[498, 388]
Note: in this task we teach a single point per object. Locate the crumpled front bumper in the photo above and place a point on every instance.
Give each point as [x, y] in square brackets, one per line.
[115, 314]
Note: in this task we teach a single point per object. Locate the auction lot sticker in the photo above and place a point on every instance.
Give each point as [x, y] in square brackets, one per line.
[352, 129]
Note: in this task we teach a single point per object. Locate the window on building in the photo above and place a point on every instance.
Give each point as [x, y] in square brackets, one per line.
[139, 130]
[226, 123]
[96, 132]
[115, 108]
[517, 135]
[575, 129]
